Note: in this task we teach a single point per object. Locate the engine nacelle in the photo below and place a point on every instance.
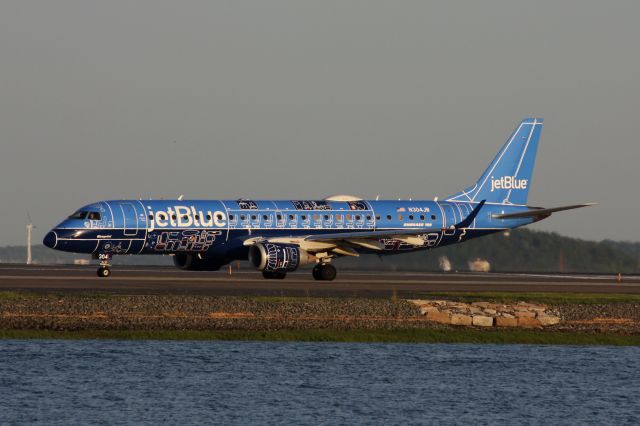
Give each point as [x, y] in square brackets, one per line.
[191, 262]
[271, 257]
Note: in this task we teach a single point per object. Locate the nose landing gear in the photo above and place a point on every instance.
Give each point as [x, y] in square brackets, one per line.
[104, 270]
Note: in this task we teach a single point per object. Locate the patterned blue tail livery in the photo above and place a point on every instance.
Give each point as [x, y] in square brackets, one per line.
[280, 236]
[508, 178]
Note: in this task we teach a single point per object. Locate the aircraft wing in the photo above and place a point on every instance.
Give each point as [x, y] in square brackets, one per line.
[539, 212]
[344, 243]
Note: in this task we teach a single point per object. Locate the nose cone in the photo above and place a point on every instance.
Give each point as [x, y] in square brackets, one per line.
[50, 240]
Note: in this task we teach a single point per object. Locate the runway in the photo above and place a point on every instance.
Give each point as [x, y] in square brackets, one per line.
[163, 280]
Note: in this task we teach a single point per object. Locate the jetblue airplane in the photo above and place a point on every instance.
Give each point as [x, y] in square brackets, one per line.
[279, 236]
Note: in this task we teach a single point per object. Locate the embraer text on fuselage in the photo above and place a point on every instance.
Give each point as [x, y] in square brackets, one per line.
[508, 182]
[184, 217]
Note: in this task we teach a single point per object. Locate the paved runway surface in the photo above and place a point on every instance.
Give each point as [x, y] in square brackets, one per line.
[162, 280]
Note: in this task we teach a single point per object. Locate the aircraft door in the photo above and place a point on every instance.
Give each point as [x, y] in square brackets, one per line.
[130, 219]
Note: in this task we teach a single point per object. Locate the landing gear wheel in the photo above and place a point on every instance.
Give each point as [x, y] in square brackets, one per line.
[324, 272]
[104, 272]
[274, 275]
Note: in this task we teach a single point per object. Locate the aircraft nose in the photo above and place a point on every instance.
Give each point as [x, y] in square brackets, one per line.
[50, 240]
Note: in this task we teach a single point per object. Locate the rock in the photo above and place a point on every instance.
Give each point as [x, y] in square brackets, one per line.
[441, 317]
[482, 321]
[546, 320]
[462, 306]
[490, 311]
[525, 314]
[528, 322]
[459, 319]
[480, 304]
[507, 315]
[506, 322]
[424, 310]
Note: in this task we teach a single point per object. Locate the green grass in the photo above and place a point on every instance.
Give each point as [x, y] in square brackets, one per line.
[547, 298]
[326, 335]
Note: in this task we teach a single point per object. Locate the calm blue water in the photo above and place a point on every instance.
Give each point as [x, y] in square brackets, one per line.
[147, 382]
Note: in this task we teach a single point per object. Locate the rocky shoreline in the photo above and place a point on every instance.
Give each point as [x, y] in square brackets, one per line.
[175, 312]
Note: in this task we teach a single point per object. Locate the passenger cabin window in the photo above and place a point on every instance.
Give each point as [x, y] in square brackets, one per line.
[388, 217]
[421, 217]
[219, 216]
[230, 217]
[410, 217]
[399, 217]
[433, 217]
[78, 215]
[265, 217]
[94, 216]
[377, 217]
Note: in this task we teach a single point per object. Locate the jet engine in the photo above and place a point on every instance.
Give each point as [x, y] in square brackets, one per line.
[191, 262]
[270, 257]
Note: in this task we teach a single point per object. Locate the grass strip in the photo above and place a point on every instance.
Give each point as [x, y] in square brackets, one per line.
[352, 336]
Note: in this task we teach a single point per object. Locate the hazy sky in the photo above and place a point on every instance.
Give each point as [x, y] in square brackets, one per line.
[302, 99]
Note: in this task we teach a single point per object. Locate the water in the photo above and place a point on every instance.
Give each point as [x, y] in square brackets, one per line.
[149, 382]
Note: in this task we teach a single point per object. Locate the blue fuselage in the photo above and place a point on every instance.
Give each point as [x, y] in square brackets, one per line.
[219, 228]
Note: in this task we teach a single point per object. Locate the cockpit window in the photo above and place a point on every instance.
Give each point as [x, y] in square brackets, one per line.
[94, 216]
[79, 215]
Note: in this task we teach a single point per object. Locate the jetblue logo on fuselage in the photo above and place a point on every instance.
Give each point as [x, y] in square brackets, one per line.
[508, 182]
[184, 217]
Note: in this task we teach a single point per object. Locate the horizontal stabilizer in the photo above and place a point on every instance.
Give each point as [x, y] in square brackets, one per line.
[540, 212]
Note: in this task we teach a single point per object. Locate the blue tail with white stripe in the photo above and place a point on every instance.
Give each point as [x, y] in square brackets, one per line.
[508, 178]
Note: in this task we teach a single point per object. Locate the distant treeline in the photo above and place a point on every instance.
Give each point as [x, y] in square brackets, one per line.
[521, 250]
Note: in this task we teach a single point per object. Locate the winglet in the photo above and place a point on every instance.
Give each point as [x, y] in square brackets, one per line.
[472, 216]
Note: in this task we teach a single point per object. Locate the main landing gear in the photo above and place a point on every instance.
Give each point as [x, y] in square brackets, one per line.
[321, 272]
[324, 272]
[104, 270]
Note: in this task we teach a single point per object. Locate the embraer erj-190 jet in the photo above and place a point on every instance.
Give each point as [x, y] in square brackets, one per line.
[279, 236]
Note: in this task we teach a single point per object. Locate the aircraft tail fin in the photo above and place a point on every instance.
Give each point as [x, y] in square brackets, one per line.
[507, 179]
